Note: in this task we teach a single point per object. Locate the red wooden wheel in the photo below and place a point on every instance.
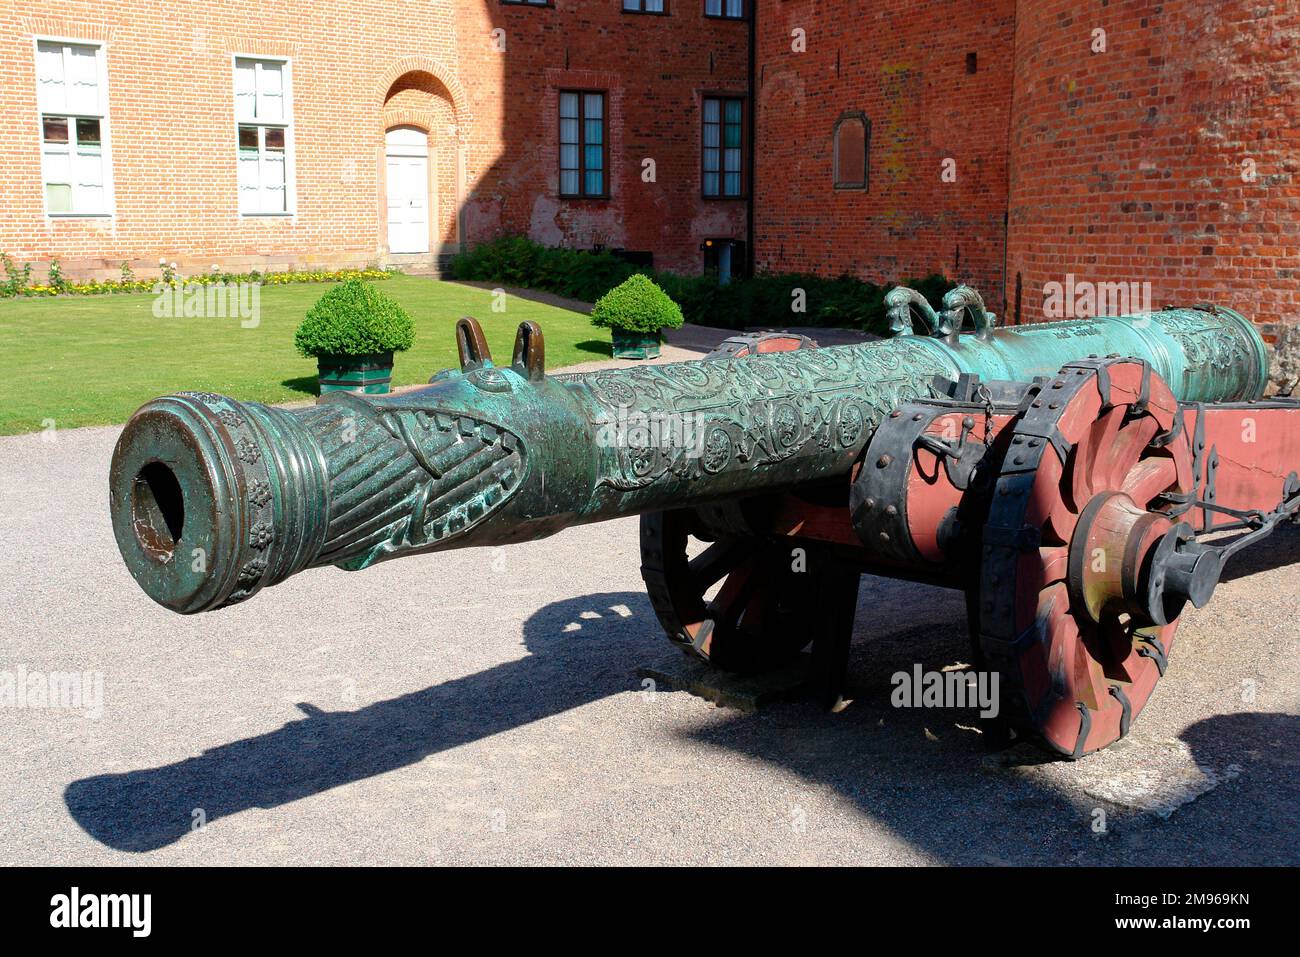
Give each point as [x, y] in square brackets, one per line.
[1069, 553]
[740, 604]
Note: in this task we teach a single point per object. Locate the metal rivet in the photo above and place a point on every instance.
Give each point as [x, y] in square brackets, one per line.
[883, 461]
[870, 503]
[884, 536]
[890, 510]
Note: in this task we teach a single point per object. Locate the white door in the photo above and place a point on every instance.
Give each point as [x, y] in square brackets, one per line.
[408, 190]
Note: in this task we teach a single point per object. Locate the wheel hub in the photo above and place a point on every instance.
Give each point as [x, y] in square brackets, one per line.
[1110, 557]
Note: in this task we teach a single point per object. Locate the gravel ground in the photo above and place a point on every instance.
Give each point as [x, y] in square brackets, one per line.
[482, 706]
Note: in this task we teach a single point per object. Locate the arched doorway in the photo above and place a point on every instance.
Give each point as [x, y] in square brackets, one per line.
[409, 203]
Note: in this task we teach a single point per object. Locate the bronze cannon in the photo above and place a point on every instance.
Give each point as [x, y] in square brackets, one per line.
[1000, 461]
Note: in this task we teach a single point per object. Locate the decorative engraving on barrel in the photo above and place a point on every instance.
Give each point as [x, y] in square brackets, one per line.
[211, 398]
[444, 473]
[1219, 345]
[752, 412]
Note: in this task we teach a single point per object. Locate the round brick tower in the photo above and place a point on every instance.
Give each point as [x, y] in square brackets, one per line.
[1164, 150]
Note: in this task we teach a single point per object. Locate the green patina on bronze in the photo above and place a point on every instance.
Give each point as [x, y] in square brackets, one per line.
[213, 499]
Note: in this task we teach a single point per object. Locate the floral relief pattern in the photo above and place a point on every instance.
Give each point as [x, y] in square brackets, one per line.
[755, 412]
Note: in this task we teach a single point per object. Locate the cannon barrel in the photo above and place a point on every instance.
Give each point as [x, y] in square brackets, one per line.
[214, 499]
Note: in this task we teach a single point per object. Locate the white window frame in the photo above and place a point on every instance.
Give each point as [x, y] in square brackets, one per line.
[105, 131]
[290, 178]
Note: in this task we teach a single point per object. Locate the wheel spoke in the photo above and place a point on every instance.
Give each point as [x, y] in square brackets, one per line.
[1088, 678]
[1149, 478]
[1054, 564]
[726, 608]
[1127, 447]
[707, 568]
[1092, 456]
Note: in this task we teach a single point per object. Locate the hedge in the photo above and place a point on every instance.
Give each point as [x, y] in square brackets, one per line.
[764, 300]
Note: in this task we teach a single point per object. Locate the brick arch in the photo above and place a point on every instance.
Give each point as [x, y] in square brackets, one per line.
[443, 74]
[420, 119]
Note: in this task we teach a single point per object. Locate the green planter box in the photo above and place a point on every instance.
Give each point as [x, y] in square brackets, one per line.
[370, 375]
[635, 345]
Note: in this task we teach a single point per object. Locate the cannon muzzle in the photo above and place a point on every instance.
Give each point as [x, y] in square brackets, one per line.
[212, 498]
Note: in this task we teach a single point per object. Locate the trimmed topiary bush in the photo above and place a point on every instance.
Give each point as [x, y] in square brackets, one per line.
[637, 305]
[354, 319]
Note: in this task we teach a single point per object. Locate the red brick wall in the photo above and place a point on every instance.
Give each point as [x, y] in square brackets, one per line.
[655, 69]
[360, 66]
[171, 116]
[1127, 164]
[905, 66]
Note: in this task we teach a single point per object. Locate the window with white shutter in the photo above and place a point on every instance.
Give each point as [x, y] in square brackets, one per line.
[263, 135]
[72, 99]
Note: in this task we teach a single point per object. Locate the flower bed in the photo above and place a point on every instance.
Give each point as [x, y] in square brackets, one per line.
[18, 280]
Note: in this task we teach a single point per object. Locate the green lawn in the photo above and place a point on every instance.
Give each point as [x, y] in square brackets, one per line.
[92, 360]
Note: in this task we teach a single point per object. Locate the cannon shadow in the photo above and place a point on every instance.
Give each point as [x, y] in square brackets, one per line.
[931, 778]
[148, 809]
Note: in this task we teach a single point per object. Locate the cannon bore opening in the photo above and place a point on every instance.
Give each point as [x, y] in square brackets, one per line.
[157, 510]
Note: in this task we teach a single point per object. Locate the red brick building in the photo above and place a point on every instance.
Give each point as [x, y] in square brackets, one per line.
[352, 131]
[1158, 143]
[1009, 143]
